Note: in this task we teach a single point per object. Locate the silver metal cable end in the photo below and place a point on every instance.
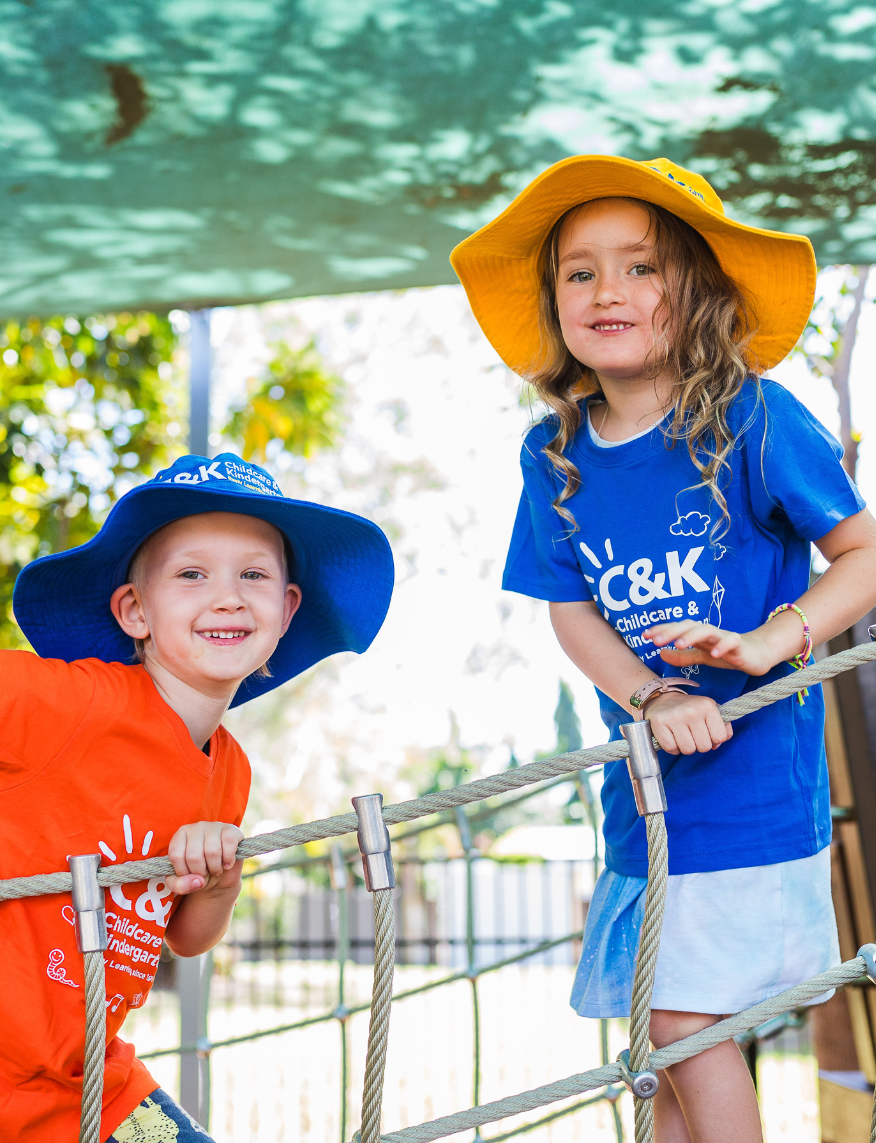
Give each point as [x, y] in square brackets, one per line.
[644, 768]
[374, 843]
[868, 952]
[88, 903]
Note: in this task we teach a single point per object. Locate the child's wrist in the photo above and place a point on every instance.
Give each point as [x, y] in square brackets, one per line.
[784, 636]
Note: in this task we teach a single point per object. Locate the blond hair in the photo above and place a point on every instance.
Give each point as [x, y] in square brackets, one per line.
[711, 323]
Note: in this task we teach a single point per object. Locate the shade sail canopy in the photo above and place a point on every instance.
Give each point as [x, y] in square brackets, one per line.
[196, 152]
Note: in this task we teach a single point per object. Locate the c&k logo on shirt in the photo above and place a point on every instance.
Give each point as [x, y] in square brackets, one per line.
[621, 587]
[639, 588]
[150, 904]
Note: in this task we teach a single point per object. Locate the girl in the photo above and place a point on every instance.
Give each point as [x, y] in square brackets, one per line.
[670, 499]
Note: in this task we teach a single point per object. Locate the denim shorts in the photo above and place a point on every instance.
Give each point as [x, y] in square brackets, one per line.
[160, 1120]
[730, 939]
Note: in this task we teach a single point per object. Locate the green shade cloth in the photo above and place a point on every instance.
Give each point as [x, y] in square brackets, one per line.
[196, 152]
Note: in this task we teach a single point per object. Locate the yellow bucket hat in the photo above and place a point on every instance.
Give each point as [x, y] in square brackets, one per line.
[498, 265]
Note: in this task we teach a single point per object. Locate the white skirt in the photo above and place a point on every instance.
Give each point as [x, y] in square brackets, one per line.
[730, 939]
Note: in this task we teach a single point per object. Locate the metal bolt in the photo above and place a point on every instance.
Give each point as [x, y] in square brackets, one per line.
[642, 1084]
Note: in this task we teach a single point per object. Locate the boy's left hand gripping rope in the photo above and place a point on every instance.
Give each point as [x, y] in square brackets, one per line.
[644, 769]
[91, 940]
[374, 845]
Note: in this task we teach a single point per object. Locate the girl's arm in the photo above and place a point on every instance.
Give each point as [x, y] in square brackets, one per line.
[839, 598]
[682, 724]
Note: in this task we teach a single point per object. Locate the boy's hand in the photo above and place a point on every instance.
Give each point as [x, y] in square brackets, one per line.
[202, 855]
[702, 643]
[687, 724]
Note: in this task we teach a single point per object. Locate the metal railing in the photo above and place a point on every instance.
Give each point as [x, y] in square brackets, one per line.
[346, 937]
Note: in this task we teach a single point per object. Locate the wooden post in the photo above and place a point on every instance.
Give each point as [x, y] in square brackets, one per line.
[843, 1029]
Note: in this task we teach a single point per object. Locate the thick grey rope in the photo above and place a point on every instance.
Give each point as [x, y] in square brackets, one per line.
[95, 1048]
[381, 999]
[843, 974]
[646, 966]
[17, 887]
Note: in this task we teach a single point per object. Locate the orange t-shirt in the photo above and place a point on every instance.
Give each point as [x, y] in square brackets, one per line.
[91, 758]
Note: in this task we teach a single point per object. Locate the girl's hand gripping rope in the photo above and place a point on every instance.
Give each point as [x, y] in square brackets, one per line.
[687, 724]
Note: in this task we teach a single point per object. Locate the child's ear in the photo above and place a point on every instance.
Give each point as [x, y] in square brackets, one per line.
[128, 611]
[291, 603]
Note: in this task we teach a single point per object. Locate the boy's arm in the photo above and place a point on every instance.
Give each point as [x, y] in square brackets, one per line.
[682, 724]
[208, 879]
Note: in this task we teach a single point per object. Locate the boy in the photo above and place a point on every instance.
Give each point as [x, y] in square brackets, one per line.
[199, 574]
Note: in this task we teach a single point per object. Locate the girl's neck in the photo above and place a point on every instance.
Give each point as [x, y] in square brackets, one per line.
[632, 406]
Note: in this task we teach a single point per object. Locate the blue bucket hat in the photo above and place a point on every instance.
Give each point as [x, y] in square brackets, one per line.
[342, 563]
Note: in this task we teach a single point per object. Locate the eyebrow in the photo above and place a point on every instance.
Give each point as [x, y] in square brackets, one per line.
[196, 554]
[582, 251]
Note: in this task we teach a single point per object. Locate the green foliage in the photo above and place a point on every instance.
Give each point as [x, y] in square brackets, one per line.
[86, 411]
[567, 722]
[295, 406]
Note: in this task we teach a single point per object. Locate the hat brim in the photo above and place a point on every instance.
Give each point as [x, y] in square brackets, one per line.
[498, 265]
[343, 565]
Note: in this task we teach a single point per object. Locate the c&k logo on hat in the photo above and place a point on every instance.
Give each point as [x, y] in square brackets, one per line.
[225, 469]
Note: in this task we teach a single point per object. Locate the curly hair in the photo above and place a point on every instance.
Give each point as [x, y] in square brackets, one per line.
[703, 326]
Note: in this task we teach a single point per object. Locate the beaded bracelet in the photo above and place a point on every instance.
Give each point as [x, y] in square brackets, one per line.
[802, 660]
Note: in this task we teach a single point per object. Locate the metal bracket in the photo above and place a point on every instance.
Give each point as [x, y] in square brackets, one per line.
[374, 843]
[868, 952]
[642, 1084]
[88, 903]
[644, 768]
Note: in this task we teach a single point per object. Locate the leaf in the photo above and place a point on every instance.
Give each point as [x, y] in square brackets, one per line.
[86, 411]
[297, 404]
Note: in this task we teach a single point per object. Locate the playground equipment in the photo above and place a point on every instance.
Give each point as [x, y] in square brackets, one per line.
[638, 1069]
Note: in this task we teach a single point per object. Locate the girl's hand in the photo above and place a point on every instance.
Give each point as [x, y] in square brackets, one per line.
[687, 724]
[202, 855]
[702, 643]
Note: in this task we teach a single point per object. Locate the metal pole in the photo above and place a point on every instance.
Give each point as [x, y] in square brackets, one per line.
[341, 884]
[192, 990]
[200, 360]
[465, 838]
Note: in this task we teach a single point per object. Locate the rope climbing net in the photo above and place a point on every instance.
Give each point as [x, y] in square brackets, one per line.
[636, 1068]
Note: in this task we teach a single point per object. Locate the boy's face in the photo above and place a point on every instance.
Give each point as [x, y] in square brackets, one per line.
[210, 600]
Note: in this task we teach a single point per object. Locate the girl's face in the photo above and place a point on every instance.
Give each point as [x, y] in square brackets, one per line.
[607, 287]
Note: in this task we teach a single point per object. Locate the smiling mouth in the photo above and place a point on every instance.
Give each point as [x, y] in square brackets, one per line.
[222, 636]
[612, 327]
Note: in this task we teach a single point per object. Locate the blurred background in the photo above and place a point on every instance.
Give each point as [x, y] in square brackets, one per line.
[226, 228]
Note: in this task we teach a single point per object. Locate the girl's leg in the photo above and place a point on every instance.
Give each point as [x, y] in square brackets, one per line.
[713, 1090]
[669, 1122]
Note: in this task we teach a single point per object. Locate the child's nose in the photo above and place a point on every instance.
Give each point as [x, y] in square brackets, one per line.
[609, 290]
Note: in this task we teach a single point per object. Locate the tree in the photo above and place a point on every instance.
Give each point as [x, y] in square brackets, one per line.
[87, 410]
[828, 342]
[296, 406]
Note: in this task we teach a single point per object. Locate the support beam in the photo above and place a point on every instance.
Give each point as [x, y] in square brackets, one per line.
[199, 382]
[193, 988]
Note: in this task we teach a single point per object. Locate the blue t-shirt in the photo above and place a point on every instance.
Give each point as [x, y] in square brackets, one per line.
[643, 553]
